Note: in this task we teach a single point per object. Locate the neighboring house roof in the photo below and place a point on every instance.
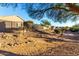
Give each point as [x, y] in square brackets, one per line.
[11, 18]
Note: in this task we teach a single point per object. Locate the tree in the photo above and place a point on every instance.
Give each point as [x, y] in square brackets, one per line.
[28, 24]
[45, 23]
[57, 31]
[75, 28]
[61, 30]
[55, 11]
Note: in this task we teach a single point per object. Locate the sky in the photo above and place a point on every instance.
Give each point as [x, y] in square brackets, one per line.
[4, 11]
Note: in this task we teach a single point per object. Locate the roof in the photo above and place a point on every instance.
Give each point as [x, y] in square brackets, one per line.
[11, 18]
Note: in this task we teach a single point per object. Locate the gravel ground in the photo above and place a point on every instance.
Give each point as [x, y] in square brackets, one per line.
[44, 46]
[67, 49]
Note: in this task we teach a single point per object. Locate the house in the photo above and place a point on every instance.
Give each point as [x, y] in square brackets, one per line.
[8, 23]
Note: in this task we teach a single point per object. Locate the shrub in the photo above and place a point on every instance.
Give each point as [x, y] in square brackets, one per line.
[60, 30]
[45, 23]
[75, 28]
[57, 31]
[28, 25]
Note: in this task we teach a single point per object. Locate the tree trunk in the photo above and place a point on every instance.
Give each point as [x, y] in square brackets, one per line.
[72, 7]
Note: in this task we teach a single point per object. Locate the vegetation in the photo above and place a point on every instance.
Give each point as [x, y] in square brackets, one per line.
[57, 31]
[28, 25]
[55, 11]
[42, 42]
[60, 30]
[45, 23]
[75, 28]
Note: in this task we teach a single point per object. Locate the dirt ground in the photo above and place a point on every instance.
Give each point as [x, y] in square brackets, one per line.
[37, 44]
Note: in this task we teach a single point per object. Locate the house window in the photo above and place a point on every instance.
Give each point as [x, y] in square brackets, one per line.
[18, 25]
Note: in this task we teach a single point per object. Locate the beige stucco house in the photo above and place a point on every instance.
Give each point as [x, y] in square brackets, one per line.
[8, 23]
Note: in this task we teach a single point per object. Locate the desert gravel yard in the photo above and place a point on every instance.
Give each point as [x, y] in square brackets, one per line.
[67, 49]
[35, 45]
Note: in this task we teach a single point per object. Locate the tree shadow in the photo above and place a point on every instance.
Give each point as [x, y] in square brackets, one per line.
[59, 40]
[74, 37]
[54, 40]
[40, 32]
[6, 53]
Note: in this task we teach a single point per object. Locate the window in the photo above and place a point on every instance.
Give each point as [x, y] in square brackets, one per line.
[18, 25]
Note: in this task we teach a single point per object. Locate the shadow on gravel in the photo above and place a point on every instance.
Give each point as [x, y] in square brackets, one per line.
[54, 39]
[6, 53]
[58, 40]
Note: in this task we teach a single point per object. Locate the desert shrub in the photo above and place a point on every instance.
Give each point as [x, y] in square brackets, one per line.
[74, 28]
[57, 31]
[63, 29]
[45, 23]
[60, 30]
[28, 25]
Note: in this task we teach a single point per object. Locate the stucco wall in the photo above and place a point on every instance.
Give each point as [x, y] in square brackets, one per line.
[4, 26]
[10, 24]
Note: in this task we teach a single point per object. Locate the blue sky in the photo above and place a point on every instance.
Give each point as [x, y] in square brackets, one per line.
[4, 11]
